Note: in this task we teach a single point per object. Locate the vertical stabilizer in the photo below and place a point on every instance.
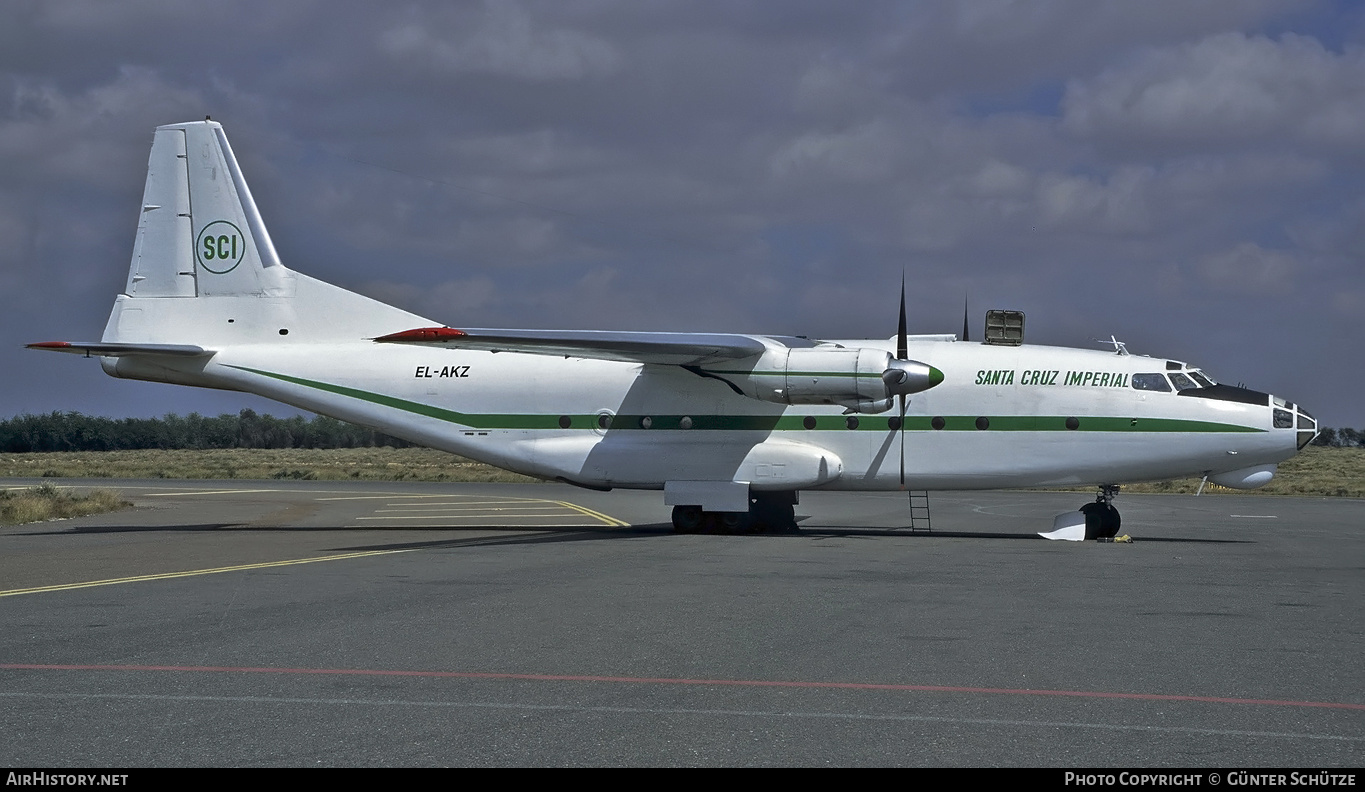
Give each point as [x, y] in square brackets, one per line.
[204, 270]
[200, 233]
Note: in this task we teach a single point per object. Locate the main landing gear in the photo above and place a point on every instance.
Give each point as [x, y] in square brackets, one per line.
[769, 512]
[1098, 520]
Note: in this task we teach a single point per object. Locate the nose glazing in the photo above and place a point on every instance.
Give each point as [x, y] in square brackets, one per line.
[1289, 415]
[1307, 428]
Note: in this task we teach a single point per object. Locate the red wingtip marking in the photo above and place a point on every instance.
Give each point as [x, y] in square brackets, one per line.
[423, 334]
[50, 345]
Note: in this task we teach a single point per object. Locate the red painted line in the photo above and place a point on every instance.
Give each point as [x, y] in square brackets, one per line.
[671, 681]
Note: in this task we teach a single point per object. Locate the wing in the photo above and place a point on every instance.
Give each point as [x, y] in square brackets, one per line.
[676, 349]
[113, 349]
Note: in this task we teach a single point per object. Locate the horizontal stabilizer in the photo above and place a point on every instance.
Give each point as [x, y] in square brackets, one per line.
[677, 349]
[114, 349]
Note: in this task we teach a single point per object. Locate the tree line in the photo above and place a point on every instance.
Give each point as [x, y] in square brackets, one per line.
[73, 431]
[1340, 438]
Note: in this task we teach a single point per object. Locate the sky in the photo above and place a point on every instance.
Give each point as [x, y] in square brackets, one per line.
[1186, 176]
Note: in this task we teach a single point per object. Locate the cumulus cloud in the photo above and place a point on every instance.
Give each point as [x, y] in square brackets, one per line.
[1250, 269]
[1117, 204]
[996, 179]
[1350, 304]
[86, 136]
[867, 152]
[1227, 87]
[18, 247]
[504, 42]
[452, 302]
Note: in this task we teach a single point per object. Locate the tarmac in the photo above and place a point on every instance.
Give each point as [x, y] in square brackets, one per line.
[299, 623]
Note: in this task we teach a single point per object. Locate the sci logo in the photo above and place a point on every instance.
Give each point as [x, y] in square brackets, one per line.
[220, 247]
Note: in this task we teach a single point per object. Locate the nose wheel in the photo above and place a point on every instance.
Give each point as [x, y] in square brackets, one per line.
[1097, 520]
[1102, 520]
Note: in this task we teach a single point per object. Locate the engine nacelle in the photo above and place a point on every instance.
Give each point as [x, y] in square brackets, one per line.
[827, 374]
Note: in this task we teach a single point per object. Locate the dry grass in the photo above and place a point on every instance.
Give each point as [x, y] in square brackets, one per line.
[349, 464]
[1338, 472]
[47, 502]
[1317, 471]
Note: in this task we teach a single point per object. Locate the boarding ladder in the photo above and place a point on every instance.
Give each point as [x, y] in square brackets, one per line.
[919, 510]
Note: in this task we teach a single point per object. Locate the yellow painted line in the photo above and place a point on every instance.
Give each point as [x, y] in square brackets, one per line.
[462, 507]
[612, 521]
[389, 495]
[395, 496]
[194, 572]
[207, 492]
[524, 503]
[484, 516]
[459, 505]
[492, 525]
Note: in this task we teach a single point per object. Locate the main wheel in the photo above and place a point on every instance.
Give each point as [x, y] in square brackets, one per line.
[774, 512]
[735, 522]
[688, 519]
[775, 517]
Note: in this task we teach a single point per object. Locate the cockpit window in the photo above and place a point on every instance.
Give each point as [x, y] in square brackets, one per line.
[1181, 381]
[1200, 378]
[1151, 382]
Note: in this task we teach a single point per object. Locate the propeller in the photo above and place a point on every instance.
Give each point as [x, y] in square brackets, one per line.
[964, 318]
[905, 376]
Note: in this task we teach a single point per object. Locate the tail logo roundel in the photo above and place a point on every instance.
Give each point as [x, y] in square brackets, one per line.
[220, 247]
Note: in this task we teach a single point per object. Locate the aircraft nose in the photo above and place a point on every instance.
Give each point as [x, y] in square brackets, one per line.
[1289, 415]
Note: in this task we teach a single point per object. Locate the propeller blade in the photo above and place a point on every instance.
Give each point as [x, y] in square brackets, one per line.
[901, 399]
[902, 353]
[964, 318]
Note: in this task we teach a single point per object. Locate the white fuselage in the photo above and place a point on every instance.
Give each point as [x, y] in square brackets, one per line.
[605, 423]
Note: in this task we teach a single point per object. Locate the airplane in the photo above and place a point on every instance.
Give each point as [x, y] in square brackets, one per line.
[730, 427]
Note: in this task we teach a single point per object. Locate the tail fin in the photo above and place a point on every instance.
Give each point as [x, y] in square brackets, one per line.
[200, 233]
[204, 269]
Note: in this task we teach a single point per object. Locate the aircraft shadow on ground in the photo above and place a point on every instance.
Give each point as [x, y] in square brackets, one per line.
[113, 529]
[506, 534]
[542, 534]
[907, 533]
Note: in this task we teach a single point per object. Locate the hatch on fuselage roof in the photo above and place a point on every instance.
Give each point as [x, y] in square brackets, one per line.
[1004, 328]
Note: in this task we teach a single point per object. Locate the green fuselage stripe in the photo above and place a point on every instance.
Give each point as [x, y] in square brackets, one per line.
[767, 423]
[786, 373]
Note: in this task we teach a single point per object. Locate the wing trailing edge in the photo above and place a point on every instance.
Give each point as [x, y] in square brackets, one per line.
[676, 349]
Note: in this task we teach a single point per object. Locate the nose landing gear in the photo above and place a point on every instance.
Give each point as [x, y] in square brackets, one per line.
[1097, 520]
[1102, 520]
